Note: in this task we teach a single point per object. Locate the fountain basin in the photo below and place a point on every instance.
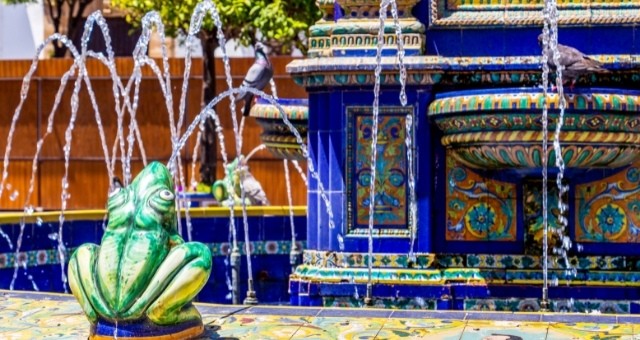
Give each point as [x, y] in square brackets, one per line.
[502, 128]
[269, 233]
[276, 136]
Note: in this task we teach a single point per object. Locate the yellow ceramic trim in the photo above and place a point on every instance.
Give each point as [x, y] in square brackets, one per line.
[99, 214]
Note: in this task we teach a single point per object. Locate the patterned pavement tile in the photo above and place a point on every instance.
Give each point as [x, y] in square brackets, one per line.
[583, 330]
[259, 326]
[504, 330]
[422, 329]
[346, 328]
[41, 319]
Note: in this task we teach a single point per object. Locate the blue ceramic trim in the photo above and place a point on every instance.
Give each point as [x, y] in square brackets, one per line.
[286, 101]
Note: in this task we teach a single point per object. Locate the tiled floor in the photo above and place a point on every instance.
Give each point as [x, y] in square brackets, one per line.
[26, 315]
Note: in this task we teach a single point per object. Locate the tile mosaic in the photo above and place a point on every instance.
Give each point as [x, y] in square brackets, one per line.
[503, 329]
[344, 327]
[421, 328]
[588, 331]
[259, 326]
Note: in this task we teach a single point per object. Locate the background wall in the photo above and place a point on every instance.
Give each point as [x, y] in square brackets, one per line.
[88, 182]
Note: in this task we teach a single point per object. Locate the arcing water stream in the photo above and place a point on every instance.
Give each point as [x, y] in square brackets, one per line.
[125, 103]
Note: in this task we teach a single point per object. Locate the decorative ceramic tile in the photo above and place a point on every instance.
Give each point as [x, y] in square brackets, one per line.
[422, 328]
[504, 330]
[533, 218]
[276, 136]
[390, 215]
[560, 306]
[329, 259]
[51, 256]
[478, 209]
[608, 210]
[259, 326]
[490, 13]
[58, 316]
[387, 303]
[342, 328]
[588, 331]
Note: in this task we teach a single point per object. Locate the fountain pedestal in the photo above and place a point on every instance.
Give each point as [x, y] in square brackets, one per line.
[477, 160]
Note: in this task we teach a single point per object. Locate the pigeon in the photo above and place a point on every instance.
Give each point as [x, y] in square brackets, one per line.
[575, 63]
[257, 77]
[252, 188]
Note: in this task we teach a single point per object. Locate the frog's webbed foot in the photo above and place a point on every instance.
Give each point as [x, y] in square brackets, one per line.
[177, 281]
[82, 284]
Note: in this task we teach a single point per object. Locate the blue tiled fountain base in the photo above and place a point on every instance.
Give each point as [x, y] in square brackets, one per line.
[270, 243]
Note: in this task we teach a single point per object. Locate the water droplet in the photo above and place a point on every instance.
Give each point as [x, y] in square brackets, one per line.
[8, 186]
[53, 236]
[579, 247]
[340, 242]
[28, 210]
[39, 222]
[14, 195]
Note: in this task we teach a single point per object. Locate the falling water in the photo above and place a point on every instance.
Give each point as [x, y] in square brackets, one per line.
[300, 171]
[550, 46]
[545, 147]
[293, 255]
[196, 22]
[384, 5]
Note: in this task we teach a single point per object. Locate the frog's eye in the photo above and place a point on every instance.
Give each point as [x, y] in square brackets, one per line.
[166, 195]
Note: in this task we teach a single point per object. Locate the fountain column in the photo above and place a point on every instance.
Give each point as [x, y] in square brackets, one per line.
[342, 59]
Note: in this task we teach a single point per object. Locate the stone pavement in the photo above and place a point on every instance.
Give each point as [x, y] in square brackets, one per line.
[29, 315]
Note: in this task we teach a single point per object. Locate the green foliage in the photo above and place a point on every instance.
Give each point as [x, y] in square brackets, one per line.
[16, 2]
[279, 21]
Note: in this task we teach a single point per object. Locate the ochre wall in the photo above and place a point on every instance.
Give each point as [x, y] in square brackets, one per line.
[88, 182]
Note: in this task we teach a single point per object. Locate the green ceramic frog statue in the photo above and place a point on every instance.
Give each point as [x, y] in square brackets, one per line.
[143, 270]
[227, 190]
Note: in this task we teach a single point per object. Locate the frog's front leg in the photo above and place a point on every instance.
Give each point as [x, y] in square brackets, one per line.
[82, 284]
[177, 281]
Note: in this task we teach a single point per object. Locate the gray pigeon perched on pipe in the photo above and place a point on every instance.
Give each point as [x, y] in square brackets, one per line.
[575, 63]
[257, 77]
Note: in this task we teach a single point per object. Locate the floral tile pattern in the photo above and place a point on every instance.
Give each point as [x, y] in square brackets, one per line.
[496, 329]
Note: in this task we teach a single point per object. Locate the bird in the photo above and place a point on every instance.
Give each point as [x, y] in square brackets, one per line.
[257, 77]
[252, 188]
[575, 63]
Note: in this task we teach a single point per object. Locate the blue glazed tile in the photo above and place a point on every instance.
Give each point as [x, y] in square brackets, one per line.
[336, 161]
[324, 157]
[444, 42]
[607, 40]
[221, 310]
[476, 43]
[362, 313]
[313, 225]
[569, 318]
[532, 317]
[623, 319]
[338, 205]
[409, 291]
[260, 310]
[313, 144]
[428, 314]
